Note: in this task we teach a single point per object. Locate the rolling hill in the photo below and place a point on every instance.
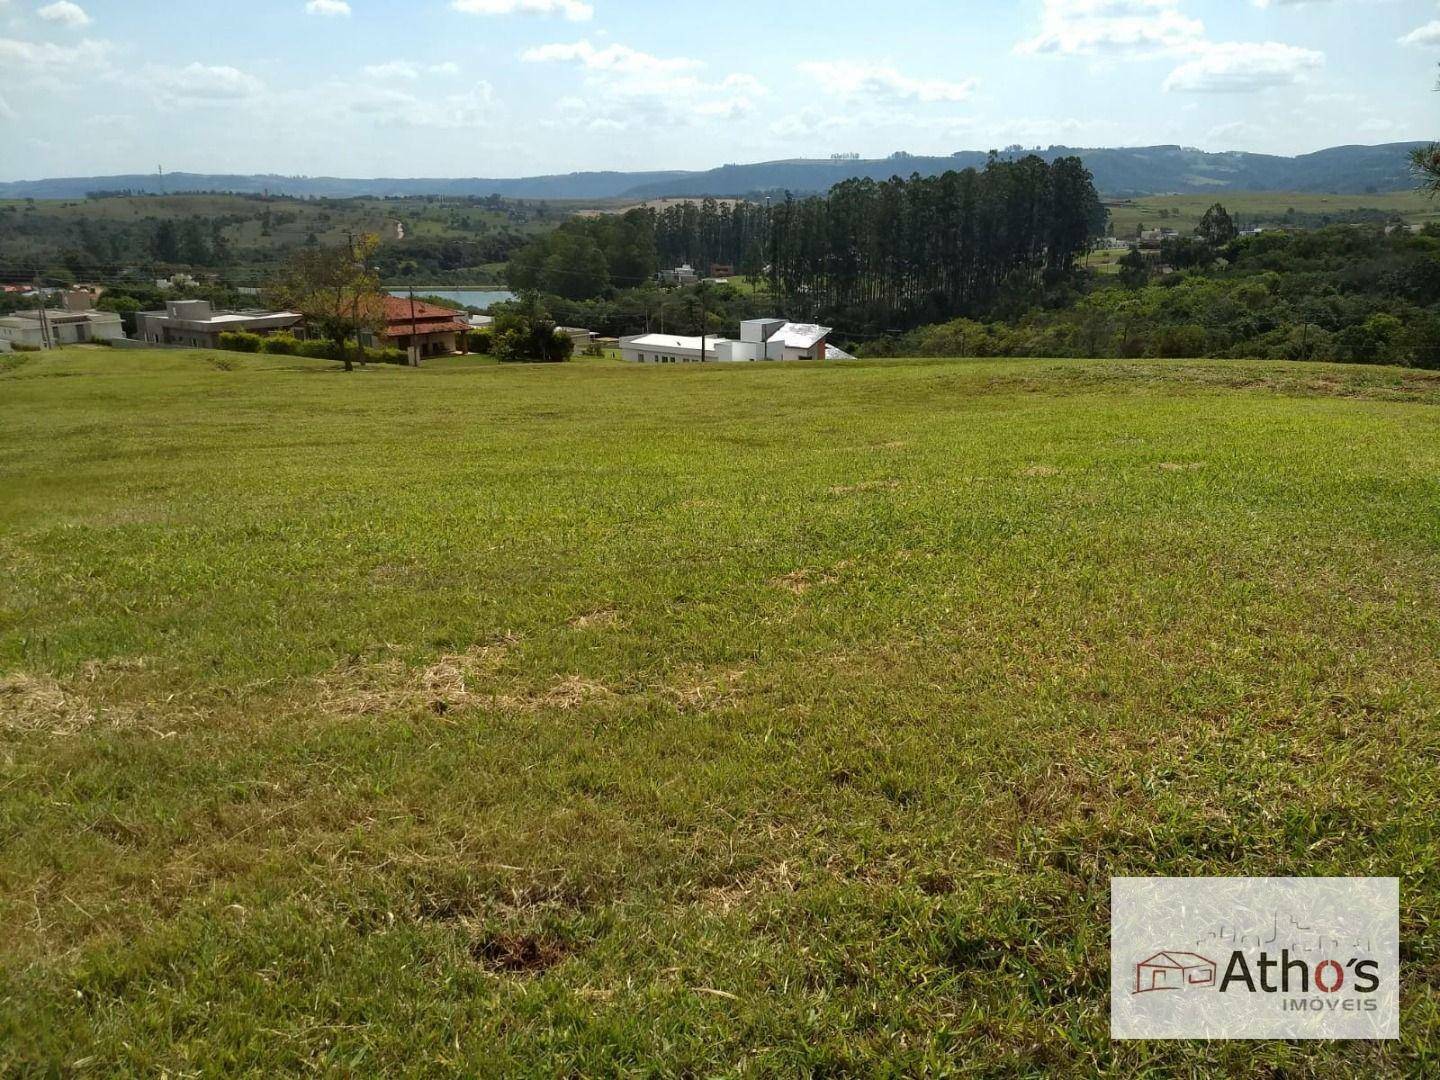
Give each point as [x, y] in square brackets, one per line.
[1149, 170]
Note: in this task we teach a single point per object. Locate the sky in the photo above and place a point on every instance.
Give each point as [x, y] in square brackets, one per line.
[499, 88]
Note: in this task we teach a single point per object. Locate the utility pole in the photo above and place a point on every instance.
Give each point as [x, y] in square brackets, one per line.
[45, 341]
[414, 332]
[359, 351]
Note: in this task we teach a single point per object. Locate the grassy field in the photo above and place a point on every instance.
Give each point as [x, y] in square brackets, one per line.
[752, 720]
[1183, 212]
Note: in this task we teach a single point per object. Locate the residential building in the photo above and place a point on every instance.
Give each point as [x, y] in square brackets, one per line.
[67, 326]
[668, 349]
[176, 281]
[195, 324]
[423, 329]
[684, 274]
[777, 339]
[583, 338]
[760, 339]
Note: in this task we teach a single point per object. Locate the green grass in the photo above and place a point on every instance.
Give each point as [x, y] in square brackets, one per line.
[1183, 212]
[753, 720]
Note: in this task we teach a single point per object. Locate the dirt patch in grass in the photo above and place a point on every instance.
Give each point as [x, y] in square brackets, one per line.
[706, 692]
[593, 620]
[454, 680]
[803, 580]
[31, 703]
[746, 889]
[569, 693]
[1037, 471]
[518, 954]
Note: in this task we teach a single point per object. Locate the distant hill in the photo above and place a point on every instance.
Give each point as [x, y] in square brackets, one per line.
[1147, 170]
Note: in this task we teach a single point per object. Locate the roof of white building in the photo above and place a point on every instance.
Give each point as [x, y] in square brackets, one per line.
[56, 316]
[800, 335]
[670, 341]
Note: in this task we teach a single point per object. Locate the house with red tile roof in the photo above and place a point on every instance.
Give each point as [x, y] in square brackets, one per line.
[423, 329]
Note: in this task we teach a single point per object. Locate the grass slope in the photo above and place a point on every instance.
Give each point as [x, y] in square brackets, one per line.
[1183, 212]
[754, 720]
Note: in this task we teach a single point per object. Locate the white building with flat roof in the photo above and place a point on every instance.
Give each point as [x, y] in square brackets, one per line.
[760, 339]
[24, 328]
[196, 324]
[669, 349]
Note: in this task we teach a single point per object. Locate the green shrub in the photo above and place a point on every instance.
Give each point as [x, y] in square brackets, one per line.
[22, 347]
[240, 342]
[318, 349]
[481, 341]
[281, 345]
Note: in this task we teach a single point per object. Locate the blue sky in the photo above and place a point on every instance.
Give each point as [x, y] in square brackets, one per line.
[517, 87]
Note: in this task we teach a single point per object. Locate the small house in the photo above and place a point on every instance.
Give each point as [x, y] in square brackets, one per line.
[1174, 971]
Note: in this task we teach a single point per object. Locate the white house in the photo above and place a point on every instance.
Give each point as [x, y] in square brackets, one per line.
[196, 324]
[74, 325]
[760, 339]
[668, 349]
[583, 338]
[685, 274]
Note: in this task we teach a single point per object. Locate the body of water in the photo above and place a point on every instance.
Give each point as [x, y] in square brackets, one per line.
[481, 298]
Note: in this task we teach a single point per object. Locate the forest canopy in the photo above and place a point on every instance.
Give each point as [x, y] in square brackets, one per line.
[868, 255]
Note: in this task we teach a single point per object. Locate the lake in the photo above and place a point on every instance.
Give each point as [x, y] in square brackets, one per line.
[481, 298]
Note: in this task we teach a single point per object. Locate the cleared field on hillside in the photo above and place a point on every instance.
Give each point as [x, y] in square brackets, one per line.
[1183, 212]
[756, 719]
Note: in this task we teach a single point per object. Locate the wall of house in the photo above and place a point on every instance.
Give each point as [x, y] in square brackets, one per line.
[22, 335]
[639, 355]
[815, 352]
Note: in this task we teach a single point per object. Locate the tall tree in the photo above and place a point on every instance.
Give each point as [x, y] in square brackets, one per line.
[1427, 166]
[1217, 228]
[336, 289]
[165, 244]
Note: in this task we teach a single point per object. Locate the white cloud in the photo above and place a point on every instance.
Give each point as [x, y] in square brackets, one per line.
[1242, 67]
[639, 91]
[1426, 35]
[574, 10]
[6, 112]
[859, 80]
[616, 59]
[409, 71]
[43, 54]
[1129, 27]
[65, 13]
[391, 107]
[202, 82]
[327, 7]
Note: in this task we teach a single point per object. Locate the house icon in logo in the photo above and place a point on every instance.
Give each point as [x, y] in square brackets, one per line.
[1173, 971]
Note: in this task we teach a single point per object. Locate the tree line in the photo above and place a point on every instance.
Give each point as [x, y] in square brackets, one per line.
[867, 256]
[1346, 293]
[871, 256]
